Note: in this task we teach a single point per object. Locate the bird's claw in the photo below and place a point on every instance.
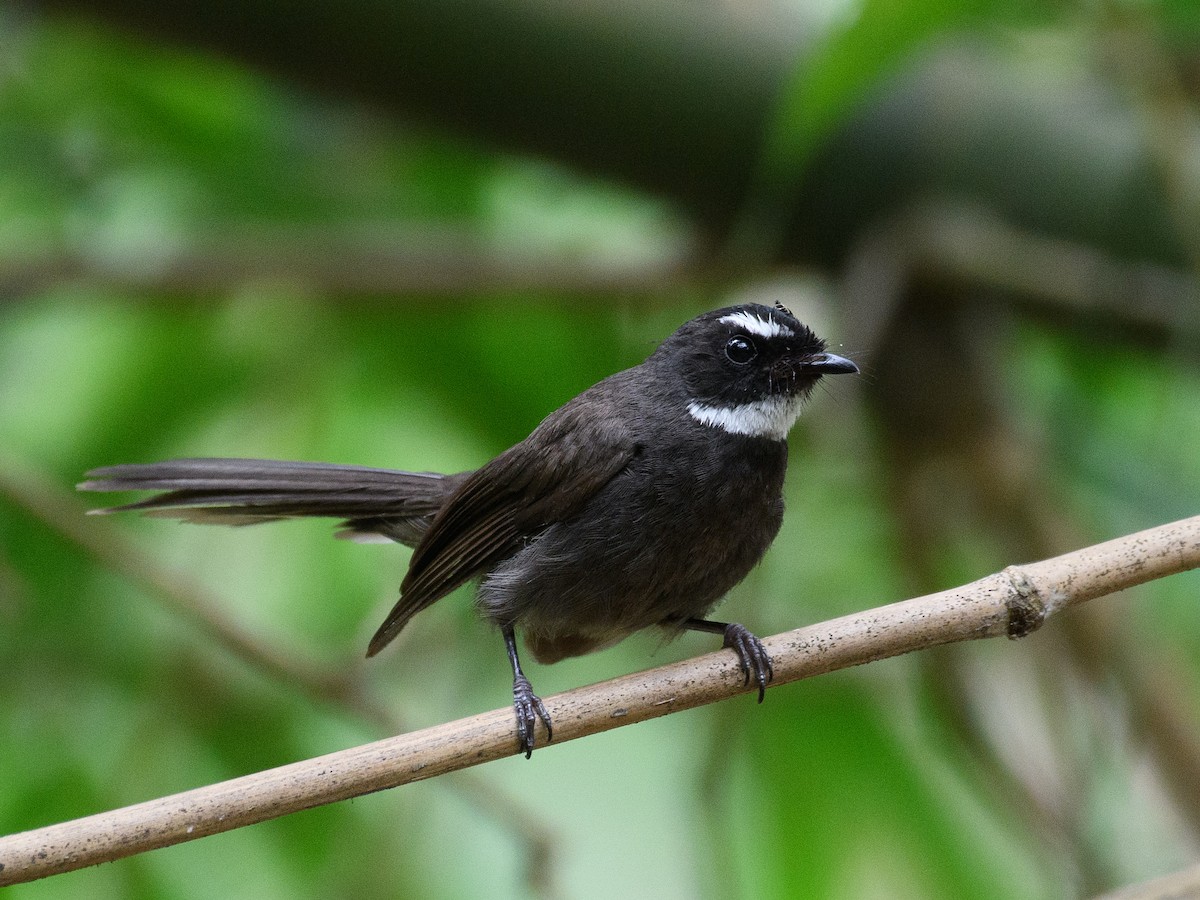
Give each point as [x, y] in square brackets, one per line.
[752, 657]
[529, 709]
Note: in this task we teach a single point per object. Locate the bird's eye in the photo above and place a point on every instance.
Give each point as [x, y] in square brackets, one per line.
[740, 350]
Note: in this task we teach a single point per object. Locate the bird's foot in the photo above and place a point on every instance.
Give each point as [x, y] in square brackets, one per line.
[529, 708]
[752, 656]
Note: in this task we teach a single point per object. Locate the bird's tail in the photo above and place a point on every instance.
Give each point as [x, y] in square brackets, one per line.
[371, 502]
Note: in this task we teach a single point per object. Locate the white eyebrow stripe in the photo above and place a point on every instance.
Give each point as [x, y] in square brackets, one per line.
[767, 328]
[771, 417]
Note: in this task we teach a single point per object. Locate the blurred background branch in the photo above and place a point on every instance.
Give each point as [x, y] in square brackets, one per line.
[685, 111]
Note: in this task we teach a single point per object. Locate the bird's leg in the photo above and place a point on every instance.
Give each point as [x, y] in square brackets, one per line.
[528, 705]
[752, 655]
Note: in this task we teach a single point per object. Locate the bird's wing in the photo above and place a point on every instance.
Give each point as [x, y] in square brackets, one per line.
[546, 478]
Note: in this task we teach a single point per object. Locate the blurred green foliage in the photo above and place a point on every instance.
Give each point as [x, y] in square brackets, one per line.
[119, 158]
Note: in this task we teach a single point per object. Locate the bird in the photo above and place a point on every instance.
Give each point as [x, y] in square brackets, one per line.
[638, 504]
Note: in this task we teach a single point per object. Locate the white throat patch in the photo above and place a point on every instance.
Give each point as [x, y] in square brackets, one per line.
[752, 324]
[772, 417]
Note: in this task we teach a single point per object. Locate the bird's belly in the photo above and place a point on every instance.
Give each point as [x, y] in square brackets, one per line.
[589, 582]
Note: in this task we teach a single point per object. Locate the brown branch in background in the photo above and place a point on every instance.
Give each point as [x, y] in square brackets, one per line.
[952, 247]
[1013, 602]
[368, 263]
[938, 242]
[1072, 283]
[63, 513]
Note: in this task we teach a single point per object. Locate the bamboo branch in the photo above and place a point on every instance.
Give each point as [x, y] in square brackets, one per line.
[1013, 602]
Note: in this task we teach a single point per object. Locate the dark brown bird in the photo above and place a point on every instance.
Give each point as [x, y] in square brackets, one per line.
[639, 503]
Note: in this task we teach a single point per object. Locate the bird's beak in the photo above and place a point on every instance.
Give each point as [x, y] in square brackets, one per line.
[830, 364]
